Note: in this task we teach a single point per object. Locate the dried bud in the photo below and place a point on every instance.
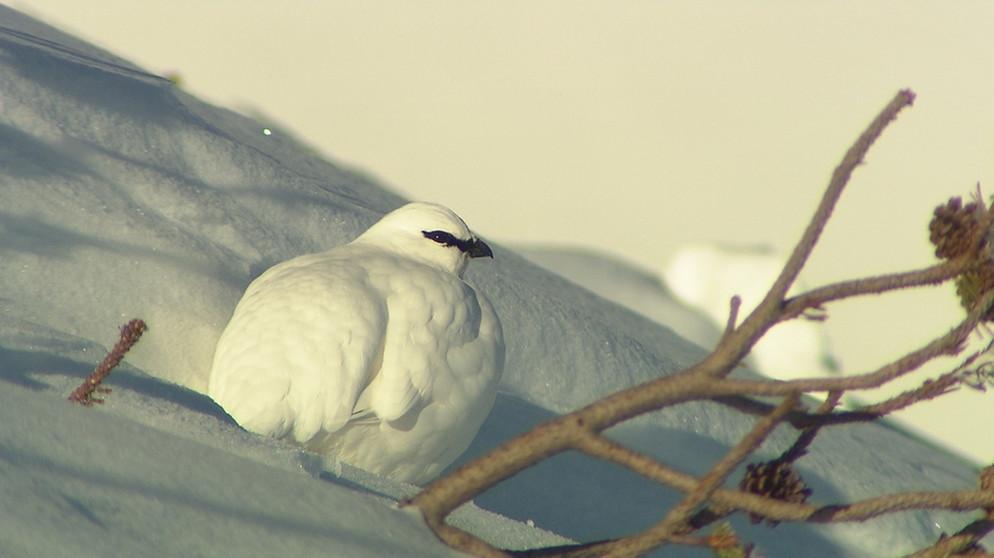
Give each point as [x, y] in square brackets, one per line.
[953, 228]
[774, 479]
[987, 478]
[972, 285]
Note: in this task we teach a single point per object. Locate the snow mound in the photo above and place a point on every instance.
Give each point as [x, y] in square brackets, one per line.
[706, 276]
[627, 284]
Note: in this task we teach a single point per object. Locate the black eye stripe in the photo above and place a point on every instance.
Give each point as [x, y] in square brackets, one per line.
[447, 239]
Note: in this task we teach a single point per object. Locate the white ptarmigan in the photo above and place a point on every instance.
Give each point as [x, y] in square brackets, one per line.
[376, 352]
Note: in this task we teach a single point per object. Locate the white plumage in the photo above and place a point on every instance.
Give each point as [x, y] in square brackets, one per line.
[376, 352]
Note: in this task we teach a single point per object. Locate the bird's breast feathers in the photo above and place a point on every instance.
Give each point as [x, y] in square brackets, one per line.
[324, 338]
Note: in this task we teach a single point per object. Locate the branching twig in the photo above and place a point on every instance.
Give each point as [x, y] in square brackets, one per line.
[734, 305]
[932, 275]
[708, 380]
[797, 419]
[678, 515]
[947, 344]
[130, 333]
[768, 310]
[800, 446]
[930, 389]
[784, 511]
[965, 539]
[693, 383]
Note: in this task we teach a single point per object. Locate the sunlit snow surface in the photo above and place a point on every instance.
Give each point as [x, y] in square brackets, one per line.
[692, 297]
[121, 197]
[706, 276]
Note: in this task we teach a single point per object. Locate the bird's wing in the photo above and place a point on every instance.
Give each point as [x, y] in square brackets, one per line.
[303, 343]
[411, 350]
[432, 314]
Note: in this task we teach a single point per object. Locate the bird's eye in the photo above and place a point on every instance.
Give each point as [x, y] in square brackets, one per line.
[440, 237]
[447, 239]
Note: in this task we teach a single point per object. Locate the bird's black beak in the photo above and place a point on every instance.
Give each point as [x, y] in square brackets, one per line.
[479, 249]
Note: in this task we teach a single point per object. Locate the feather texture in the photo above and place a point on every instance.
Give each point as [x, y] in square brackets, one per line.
[376, 352]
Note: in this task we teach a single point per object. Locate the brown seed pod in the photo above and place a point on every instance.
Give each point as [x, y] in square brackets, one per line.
[774, 479]
[953, 228]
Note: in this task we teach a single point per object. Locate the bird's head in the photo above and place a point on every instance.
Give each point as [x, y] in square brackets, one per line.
[428, 232]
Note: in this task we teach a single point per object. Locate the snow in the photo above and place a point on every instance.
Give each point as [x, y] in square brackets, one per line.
[706, 276]
[169, 496]
[692, 294]
[121, 196]
[625, 283]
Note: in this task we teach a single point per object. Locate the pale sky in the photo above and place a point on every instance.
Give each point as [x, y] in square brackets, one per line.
[633, 127]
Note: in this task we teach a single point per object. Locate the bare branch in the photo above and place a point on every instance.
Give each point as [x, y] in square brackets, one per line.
[800, 446]
[440, 497]
[708, 380]
[609, 450]
[131, 332]
[959, 543]
[783, 511]
[797, 419]
[767, 311]
[931, 275]
[559, 434]
[734, 304]
[930, 389]
[677, 517]
[949, 343]
[963, 500]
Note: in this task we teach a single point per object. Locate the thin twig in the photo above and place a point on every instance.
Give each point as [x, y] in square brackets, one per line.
[768, 310]
[131, 332]
[797, 419]
[800, 446]
[557, 435]
[966, 540]
[708, 379]
[442, 496]
[957, 543]
[961, 500]
[439, 498]
[840, 178]
[932, 275]
[677, 517]
[599, 446]
[930, 389]
[949, 343]
[734, 304]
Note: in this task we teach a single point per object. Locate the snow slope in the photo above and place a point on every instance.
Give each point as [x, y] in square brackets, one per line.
[706, 276]
[625, 283]
[691, 297]
[121, 196]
